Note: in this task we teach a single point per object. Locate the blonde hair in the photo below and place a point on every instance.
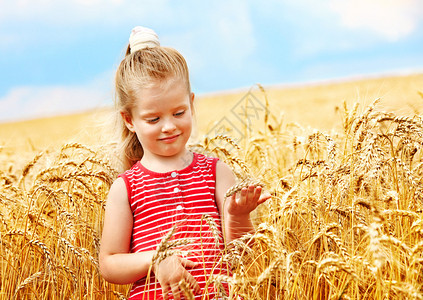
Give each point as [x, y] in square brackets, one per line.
[138, 70]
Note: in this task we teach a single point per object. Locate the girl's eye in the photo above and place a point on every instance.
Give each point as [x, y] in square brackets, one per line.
[180, 113]
[153, 120]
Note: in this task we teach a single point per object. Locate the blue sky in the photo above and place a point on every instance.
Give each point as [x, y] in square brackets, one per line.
[59, 56]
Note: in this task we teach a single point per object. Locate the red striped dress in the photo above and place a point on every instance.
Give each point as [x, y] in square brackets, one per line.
[184, 197]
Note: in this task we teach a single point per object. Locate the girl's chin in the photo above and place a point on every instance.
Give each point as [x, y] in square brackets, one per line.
[172, 152]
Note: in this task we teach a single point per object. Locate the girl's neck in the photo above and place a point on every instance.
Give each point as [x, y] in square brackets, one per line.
[163, 164]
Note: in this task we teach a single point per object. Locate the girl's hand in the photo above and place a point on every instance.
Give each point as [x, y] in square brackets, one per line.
[245, 201]
[170, 271]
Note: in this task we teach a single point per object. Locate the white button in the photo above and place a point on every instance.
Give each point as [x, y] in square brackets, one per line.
[179, 207]
[173, 174]
[175, 190]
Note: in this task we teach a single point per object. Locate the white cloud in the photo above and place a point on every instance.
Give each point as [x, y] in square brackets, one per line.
[331, 27]
[392, 19]
[24, 102]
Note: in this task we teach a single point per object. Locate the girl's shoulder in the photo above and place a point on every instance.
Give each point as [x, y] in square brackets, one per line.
[213, 165]
[204, 160]
[134, 172]
[205, 157]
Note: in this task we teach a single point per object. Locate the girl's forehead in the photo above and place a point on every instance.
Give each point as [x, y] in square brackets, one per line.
[169, 93]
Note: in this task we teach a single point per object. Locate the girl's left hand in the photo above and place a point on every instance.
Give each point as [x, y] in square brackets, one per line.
[246, 200]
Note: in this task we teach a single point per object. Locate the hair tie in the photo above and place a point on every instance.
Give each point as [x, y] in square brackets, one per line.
[142, 37]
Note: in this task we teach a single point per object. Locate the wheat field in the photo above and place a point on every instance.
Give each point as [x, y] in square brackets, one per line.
[344, 221]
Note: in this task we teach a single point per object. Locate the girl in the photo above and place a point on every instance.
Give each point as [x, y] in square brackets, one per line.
[168, 188]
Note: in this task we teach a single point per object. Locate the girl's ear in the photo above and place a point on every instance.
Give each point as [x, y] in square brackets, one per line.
[191, 100]
[127, 119]
[191, 103]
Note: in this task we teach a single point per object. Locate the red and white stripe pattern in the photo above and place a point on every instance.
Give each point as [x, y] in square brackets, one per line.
[161, 200]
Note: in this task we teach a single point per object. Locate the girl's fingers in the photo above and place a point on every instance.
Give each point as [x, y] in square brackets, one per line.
[248, 198]
[257, 192]
[197, 289]
[247, 195]
[186, 263]
[193, 284]
[242, 196]
[263, 198]
[234, 199]
[165, 291]
[175, 291]
[251, 192]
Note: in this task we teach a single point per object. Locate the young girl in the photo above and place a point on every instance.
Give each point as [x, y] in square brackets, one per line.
[167, 187]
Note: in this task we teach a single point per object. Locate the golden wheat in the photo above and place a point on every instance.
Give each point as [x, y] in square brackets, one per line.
[344, 220]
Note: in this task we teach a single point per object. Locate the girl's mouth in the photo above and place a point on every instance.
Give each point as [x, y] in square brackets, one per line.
[170, 139]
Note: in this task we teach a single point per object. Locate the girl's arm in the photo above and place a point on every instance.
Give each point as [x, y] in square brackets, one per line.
[117, 265]
[235, 210]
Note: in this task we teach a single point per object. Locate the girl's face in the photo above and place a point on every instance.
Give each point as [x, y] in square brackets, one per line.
[162, 118]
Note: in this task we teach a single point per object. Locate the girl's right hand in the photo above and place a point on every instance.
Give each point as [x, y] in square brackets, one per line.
[170, 271]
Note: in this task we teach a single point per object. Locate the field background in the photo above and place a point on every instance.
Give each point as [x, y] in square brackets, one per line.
[314, 105]
[345, 173]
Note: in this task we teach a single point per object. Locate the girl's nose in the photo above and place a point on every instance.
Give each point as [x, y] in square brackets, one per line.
[168, 126]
